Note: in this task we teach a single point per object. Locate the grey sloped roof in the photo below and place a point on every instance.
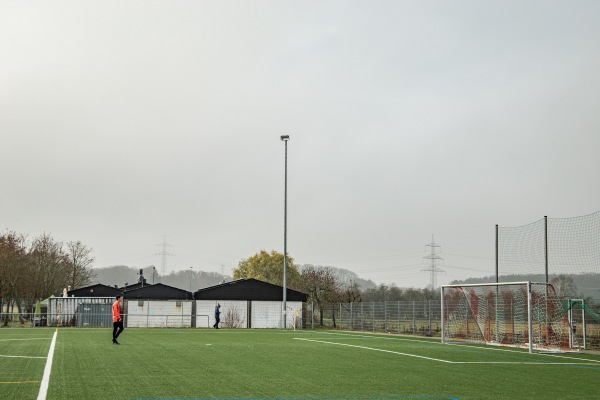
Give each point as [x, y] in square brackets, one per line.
[248, 289]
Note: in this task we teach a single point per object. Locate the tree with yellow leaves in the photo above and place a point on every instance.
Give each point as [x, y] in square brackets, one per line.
[268, 267]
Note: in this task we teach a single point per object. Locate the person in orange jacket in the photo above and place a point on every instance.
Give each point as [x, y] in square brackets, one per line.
[117, 320]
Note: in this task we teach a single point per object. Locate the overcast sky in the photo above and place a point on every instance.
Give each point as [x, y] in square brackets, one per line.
[127, 122]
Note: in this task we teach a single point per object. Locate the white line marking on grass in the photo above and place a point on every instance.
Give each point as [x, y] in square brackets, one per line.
[525, 352]
[522, 363]
[590, 362]
[46, 379]
[6, 356]
[381, 350]
[478, 347]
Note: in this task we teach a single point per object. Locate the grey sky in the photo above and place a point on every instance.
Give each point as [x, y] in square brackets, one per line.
[123, 121]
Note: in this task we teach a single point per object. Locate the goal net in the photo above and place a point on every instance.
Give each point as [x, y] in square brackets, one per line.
[518, 314]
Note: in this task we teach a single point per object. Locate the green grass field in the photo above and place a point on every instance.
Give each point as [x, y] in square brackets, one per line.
[269, 364]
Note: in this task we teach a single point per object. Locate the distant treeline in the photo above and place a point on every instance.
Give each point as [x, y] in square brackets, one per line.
[120, 275]
[191, 280]
[36, 268]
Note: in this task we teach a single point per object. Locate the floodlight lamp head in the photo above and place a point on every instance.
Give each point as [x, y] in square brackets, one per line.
[285, 138]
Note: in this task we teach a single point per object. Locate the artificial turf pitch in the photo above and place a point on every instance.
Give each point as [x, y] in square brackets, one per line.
[275, 364]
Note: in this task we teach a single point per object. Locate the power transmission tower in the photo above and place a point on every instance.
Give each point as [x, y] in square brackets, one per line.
[164, 253]
[433, 268]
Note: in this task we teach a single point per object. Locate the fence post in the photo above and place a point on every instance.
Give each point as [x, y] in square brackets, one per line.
[384, 317]
[399, 309]
[429, 311]
[362, 318]
[413, 318]
[373, 320]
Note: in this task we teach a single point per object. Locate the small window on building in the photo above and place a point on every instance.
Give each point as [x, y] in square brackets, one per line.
[140, 303]
[177, 304]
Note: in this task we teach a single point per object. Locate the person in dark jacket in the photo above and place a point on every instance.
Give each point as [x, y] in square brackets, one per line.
[217, 316]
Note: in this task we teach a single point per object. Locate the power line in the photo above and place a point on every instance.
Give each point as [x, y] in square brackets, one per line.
[364, 259]
[466, 256]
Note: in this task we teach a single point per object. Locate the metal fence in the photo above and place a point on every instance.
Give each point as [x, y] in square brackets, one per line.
[401, 317]
[422, 318]
[23, 320]
[98, 320]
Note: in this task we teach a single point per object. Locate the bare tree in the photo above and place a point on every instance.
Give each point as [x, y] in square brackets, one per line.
[29, 272]
[79, 266]
[350, 293]
[13, 267]
[49, 266]
[564, 286]
[233, 317]
[321, 285]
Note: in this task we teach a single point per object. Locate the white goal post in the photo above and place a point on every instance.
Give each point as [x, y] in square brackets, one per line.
[517, 314]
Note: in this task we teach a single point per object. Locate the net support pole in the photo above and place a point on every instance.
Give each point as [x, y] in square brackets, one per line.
[583, 323]
[546, 245]
[546, 265]
[496, 253]
[442, 313]
[529, 317]
[497, 280]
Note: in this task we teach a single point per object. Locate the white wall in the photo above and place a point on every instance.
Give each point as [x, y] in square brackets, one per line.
[159, 314]
[231, 311]
[265, 314]
[269, 314]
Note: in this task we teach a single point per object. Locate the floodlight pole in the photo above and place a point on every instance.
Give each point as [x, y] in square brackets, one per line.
[285, 138]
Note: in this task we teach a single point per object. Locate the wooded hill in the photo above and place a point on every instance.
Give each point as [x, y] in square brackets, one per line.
[119, 275]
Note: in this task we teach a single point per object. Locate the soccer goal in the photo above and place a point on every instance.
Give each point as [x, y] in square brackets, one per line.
[517, 314]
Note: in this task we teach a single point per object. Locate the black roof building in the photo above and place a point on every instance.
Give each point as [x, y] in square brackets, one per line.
[134, 286]
[97, 290]
[158, 291]
[249, 289]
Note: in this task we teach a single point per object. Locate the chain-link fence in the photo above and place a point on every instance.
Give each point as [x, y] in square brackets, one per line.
[103, 320]
[423, 318]
[402, 317]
